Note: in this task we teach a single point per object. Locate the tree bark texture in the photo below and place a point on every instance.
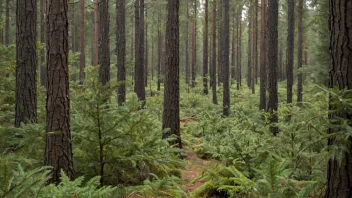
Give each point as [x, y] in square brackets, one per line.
[58, 147]
[300, 51]
[96, 33]
[263, 73]
[26, 62]
[226, 61]
[171, 117]
[239, 48]
[194, 46]
[340, 174]
[121, 50]
[272, 53]
[290, 47]
[139, 55]
[205, 51]
[104, 42]
[213, 58]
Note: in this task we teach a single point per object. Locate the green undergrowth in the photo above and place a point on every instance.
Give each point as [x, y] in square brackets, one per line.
[126, 140]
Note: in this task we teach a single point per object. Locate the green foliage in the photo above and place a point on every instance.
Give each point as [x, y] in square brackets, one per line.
[166, 187]
[32, 183]
[125, 140]
[225, 182]
[293, 164]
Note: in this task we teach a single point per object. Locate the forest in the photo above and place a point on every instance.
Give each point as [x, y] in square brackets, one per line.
[176, 98]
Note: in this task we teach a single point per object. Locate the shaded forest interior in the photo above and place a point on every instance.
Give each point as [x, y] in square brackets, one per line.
[191, 98]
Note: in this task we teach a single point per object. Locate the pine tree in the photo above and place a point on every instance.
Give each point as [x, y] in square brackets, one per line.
[121, 50]
[58, 144]
[26, 62]
[171, 117]
[272, 50]
[339, 174]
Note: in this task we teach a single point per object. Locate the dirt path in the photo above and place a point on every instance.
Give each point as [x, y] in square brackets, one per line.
[194, 168]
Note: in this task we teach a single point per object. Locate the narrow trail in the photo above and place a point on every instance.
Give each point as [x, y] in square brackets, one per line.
[195, 167]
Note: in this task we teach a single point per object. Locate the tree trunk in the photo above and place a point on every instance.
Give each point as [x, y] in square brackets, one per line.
[146, 52]
[226, 53]
[272, 51]
[104, 42]
[239, 46]
[96, 33]
[213, 59]
[300, 50]
[194, 46]
[339, 171]
[82, 61]
[250, 46]
[121, 50]
[263, 73]
[171, 117]
[255, 45]
[26, 62]
[290, 47]
[58, 148]
[205, 51]
[139, 55]
[220, 40]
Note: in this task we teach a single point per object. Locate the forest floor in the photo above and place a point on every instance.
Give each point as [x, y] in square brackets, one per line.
[195, 167]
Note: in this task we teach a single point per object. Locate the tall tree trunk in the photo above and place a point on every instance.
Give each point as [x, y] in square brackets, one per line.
[7, 23]
[263, 72]
[300, 50]
[58, 147]
[146, 52]
[96, 33]
[104, 42]
[226, 53]
[121, 50]
[290, 47]
[239, 47]
[213, 58]
[188, 75]
[43, 71]
[339, 170]
[194, 46]
[250, 46]
[139, 55]
[171, 117]
[26, 62]
[82, 60]
[205, 51]
[273, 7]
[220, 40]
[255, 44]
